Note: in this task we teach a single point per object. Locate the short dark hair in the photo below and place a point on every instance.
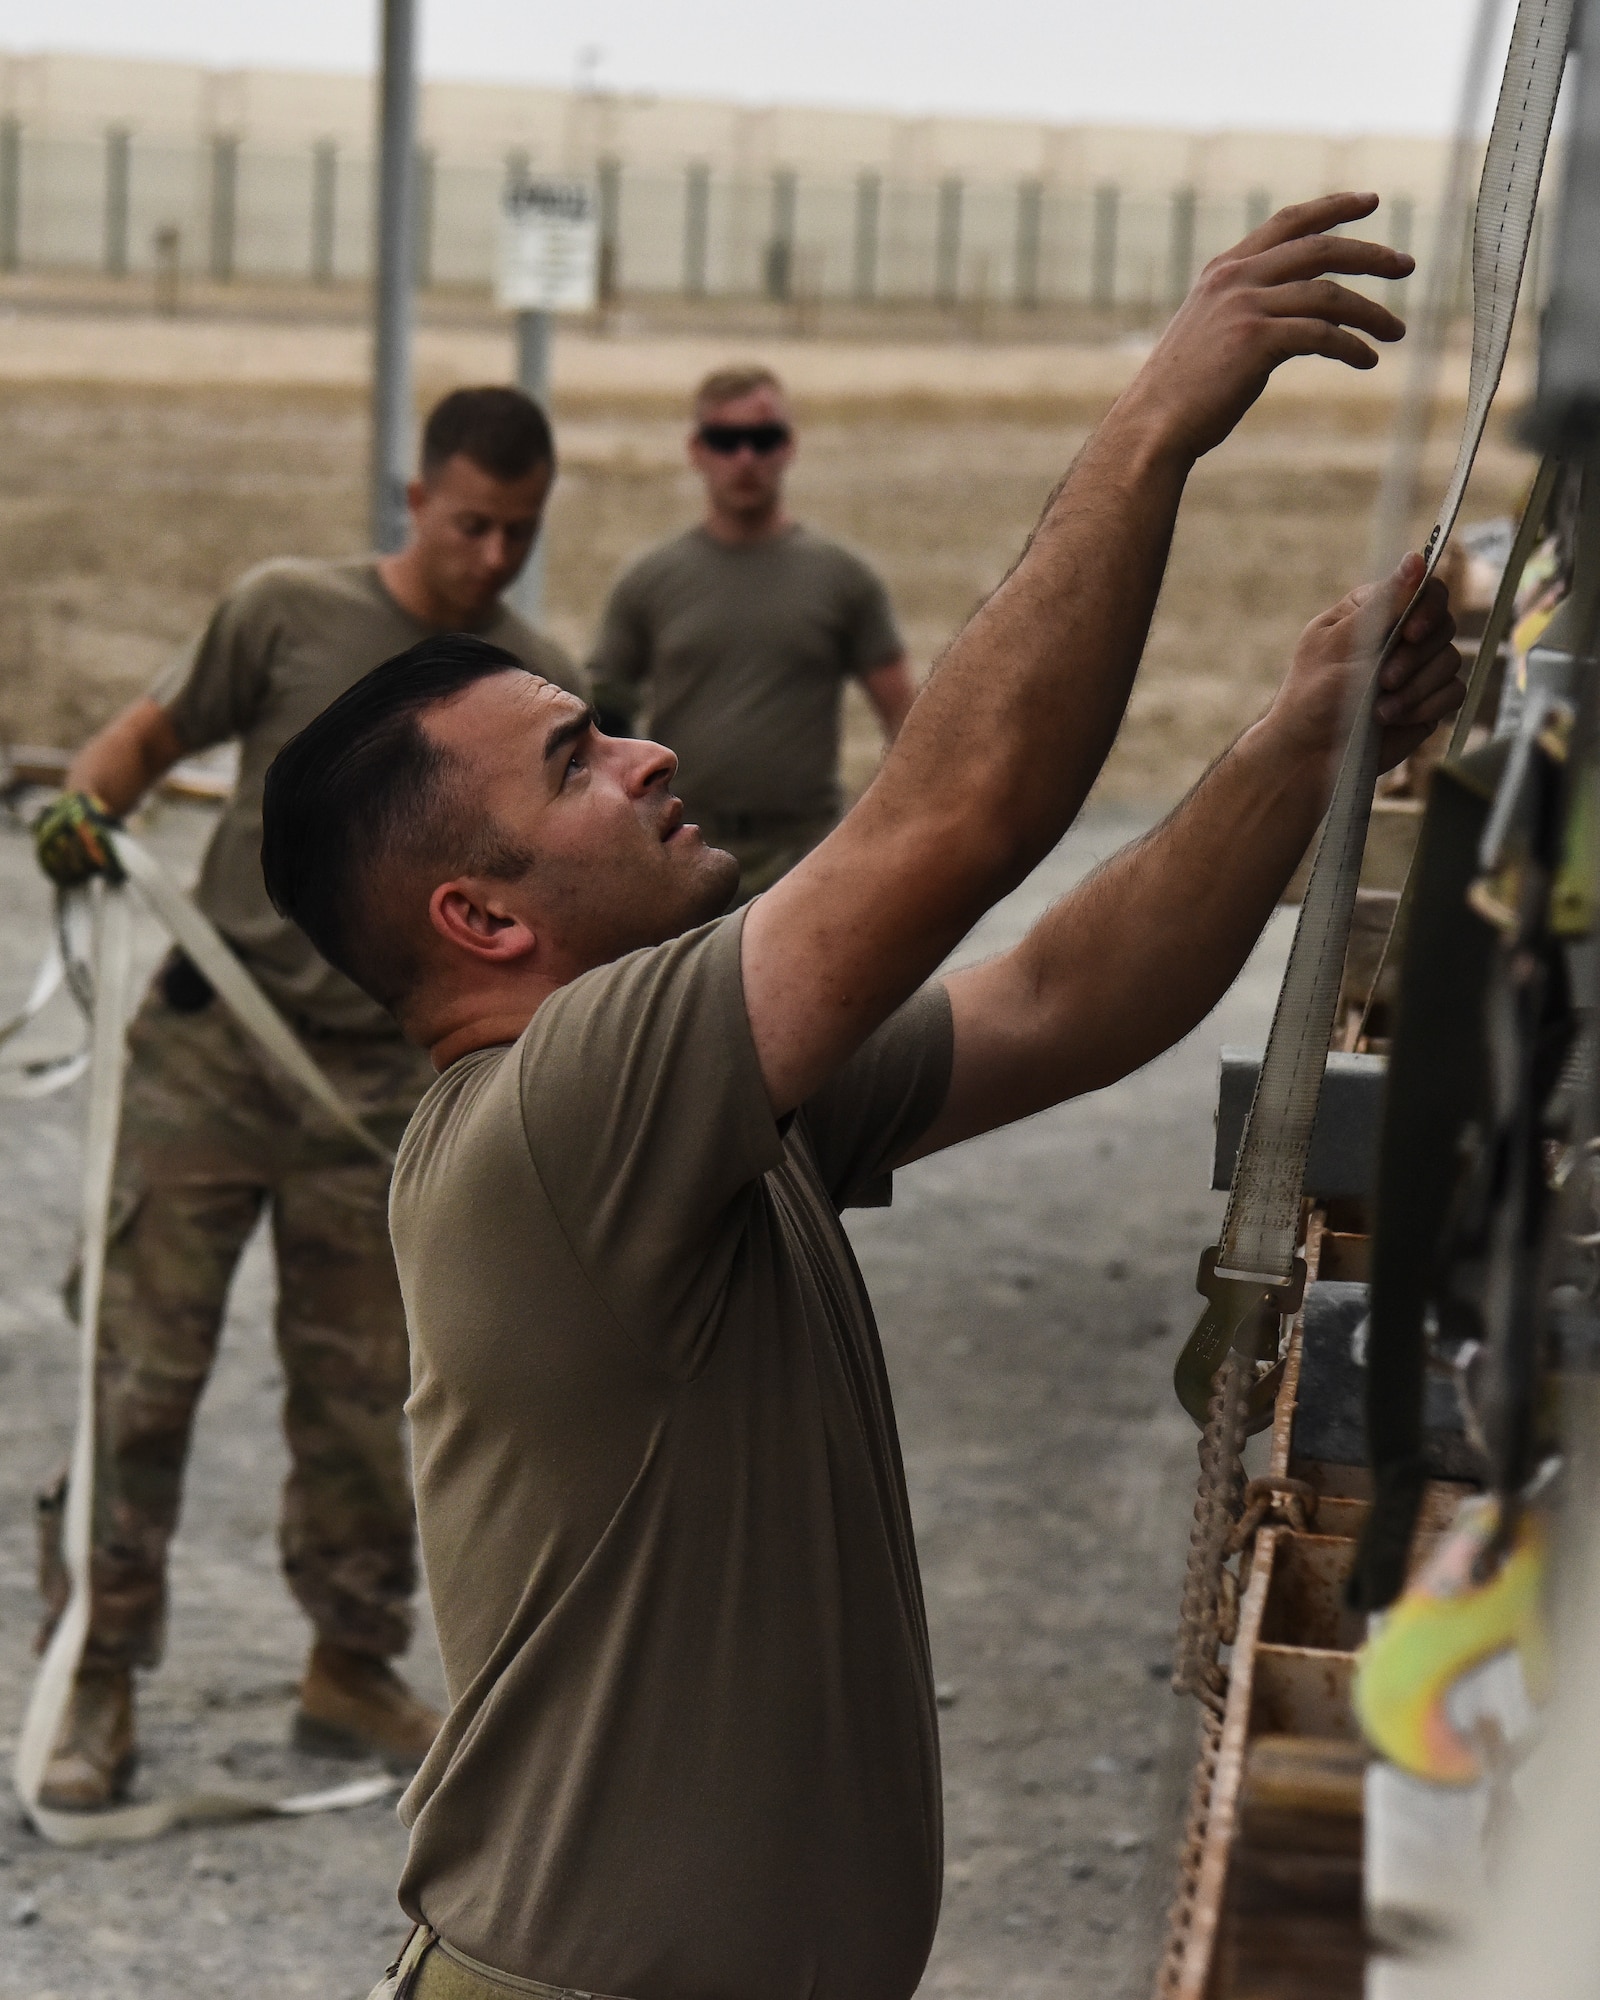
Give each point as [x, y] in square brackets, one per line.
[364, 785]
[501, 430]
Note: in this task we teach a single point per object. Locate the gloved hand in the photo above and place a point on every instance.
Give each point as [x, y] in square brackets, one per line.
[69, 838]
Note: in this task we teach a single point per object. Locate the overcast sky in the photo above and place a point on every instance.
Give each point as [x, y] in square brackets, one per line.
[1357, 65]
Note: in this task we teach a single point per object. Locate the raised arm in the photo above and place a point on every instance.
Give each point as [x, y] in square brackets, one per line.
[1142, 951]
[1005, 740]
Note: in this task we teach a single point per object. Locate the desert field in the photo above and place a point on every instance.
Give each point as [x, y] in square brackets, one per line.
[144, 464]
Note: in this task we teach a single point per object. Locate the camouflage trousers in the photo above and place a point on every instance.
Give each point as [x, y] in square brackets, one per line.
[765, 849]
[210, 1139]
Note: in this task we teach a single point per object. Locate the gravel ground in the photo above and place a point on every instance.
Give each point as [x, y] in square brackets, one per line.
[1033, 1288]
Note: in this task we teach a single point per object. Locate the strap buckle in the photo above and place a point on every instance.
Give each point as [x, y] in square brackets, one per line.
[1242, 1314]
[1285, 1295]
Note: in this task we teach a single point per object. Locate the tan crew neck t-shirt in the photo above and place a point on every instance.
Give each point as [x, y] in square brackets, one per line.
[692, 1752]
[285, 641]
[742, 655]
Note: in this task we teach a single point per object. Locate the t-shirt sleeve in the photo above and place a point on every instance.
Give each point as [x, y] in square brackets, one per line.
[213, 688]
[881, 1102]
[874, 638]
[621, 656]
[649, 1126]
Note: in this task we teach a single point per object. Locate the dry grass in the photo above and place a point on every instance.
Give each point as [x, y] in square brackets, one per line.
[125, 507]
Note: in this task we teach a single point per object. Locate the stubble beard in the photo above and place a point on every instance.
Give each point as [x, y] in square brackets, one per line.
[692, 890]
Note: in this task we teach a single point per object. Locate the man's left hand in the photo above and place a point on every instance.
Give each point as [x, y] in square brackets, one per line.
[1421, 682]
[71, 840]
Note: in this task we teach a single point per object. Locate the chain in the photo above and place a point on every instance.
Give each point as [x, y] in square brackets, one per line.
[1228, 1513]
[1180, 1918]
[1216, 1508]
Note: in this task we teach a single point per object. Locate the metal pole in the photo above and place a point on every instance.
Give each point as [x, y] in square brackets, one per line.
[391, 333]
[526, 595]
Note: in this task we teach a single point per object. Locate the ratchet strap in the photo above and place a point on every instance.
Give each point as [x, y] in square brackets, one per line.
[1253, 1274]
[250, 1007]
[111, 928]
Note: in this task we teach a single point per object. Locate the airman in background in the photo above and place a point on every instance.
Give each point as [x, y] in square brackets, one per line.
[212, 1139]
[738, 636]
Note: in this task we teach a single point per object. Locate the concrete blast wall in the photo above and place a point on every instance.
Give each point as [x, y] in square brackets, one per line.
[267, 174]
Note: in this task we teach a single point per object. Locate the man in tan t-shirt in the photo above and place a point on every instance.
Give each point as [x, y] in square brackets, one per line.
[741, 634]
[692, 1750]
[211, 1137]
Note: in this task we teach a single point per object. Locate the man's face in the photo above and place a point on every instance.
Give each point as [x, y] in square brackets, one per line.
[471, 532]
[746, 484]
[617, 866]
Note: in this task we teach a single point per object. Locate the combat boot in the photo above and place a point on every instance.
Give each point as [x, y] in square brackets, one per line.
[353, 1704]
[95, 1752]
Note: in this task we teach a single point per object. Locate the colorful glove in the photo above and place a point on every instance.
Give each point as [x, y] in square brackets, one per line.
[69, 838]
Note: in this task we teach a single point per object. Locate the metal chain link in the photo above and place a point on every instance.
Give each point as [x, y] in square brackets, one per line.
[1180, 1919]
[1217, 1504]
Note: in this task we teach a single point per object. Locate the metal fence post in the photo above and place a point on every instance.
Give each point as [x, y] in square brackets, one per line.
[1030, 233]
[1533, 282]
[167, 248]
[696, 228]
[423, 190]
[608, 279]
[392, 302]
[947, 244]
[533, 330]
[869, 211]
[118, 146]
[224, 205]
[1180, 247]
[779, 272]
[10, 193]
[1461, 302]
[324, 209]
[1402, 228]
[1103, 248]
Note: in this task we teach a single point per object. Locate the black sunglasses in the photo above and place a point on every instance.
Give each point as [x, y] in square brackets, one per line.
[726, 439]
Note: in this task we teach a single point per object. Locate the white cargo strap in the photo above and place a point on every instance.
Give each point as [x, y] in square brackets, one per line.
[112, 959]
[1257, 1246]
[40, 1076]
[255, 1013]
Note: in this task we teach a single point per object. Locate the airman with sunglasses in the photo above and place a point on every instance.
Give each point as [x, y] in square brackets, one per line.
[740, 635]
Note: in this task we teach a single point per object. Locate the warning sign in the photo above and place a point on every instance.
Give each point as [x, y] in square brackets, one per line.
[549, 247]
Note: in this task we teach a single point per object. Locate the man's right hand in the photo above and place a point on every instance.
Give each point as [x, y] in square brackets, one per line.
[69, 838]
[1258, 304]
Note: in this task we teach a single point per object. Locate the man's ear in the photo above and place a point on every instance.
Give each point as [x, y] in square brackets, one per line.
[472, 918]
[416, 494]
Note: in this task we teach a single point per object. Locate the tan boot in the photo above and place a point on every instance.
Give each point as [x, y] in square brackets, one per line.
[352, 1705]
[95, 1752]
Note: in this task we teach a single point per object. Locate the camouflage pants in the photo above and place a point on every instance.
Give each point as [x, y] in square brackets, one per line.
[209, 1140]
[765, 854]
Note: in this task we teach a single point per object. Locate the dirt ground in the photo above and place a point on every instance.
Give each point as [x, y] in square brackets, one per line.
[139, 483]
[1033, 1289]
